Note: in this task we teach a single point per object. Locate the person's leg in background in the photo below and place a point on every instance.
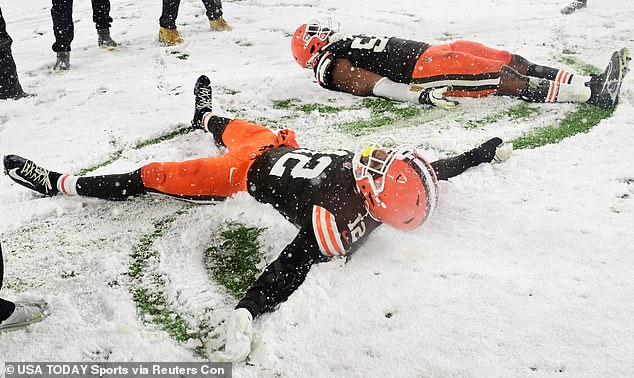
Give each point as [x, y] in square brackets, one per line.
[64, 31]
[103, 21]
[168, 34]
[9, 84]
[214, 14]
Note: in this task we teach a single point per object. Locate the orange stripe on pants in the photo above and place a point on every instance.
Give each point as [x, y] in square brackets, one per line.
[461, 58]
[222, 175]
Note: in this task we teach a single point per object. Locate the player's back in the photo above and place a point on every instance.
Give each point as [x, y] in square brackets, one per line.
[294, 180]
[391, 57]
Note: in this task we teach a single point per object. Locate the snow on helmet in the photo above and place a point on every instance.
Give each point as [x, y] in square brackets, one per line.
[309, 38]
[398, 185]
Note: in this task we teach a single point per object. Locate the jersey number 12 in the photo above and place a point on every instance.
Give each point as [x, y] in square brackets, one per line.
[299, 170]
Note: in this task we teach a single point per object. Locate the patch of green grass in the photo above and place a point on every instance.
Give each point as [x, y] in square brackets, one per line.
[294, 104]
[522, 110]
[580, 121]
[285, 104]
[232, 259]
[181, 130]
[383, 112]
[359, 127]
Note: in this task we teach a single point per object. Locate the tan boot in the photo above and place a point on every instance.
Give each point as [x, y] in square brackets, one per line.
[170, 37]
[219, 24]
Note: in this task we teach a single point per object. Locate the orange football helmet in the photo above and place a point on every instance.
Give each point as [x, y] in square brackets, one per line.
[399, 186]
[309, 38]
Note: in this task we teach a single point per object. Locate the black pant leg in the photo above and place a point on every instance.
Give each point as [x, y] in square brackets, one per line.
[6, 307]
[1, 266]
[216, 126]
[117, 187]
[9, 83]
[5, 39]
[214, 8]
[101, 14]
[169, 14]
[63, 28]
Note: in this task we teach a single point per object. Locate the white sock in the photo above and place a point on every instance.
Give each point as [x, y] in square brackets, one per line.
[206, 117]
[67, 184]
[567, 77]
[560, 92]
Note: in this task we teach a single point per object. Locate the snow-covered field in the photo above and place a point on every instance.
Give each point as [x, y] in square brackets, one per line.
[527, 268]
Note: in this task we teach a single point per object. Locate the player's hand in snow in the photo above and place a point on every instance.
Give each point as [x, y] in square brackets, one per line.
[239, 337]
[436, 97]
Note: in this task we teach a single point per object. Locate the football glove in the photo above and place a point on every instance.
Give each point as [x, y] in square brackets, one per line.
[239, 337]
[436, 97]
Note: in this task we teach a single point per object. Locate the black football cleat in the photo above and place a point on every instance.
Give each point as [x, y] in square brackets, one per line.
[606, 86]
[202, 100]
[28, 174]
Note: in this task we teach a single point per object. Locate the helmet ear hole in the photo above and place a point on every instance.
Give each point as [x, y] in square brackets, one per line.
[312, 49]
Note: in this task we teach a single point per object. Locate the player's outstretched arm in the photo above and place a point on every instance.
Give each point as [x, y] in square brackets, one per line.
[278, 281]
[361, 82]
[493, 150]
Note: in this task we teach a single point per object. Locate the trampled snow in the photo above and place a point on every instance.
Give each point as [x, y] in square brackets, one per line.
[526, 269]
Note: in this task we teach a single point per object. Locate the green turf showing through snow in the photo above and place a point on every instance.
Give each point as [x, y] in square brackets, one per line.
[233, 257]
[147, 289]
[579, 121]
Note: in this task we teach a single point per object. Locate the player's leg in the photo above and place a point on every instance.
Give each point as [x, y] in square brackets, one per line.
[513, 83]
[112, 187]
[242, 139]
[485, 153]
[602, 90]
[518, 63]
[525, 67]
[208, 179]
[200, 179]
[453, 65]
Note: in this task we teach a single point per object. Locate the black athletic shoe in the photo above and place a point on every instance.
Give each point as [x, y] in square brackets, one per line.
[606, 86]
[202, 100]
[575, 5]
[28, 174]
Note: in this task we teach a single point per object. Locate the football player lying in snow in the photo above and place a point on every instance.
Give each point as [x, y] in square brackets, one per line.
[335, 198]
[405, 70]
